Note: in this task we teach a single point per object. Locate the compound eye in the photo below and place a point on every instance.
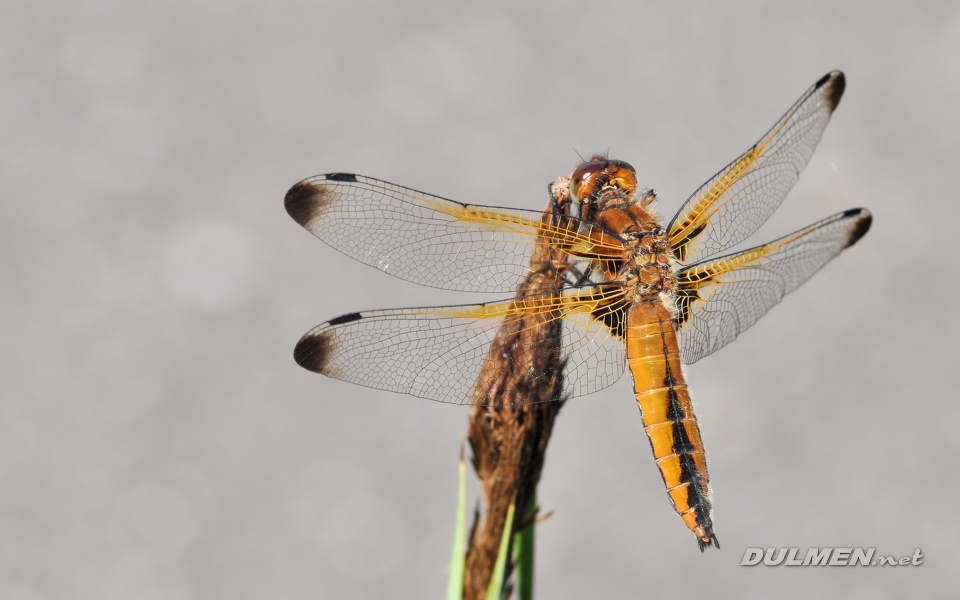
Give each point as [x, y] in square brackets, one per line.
[584, 180]
[592, 176]
[622, 175]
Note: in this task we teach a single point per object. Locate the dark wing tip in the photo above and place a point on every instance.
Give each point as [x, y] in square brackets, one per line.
[834, 82]
[306, 200]
[314, 350]
[860, 227]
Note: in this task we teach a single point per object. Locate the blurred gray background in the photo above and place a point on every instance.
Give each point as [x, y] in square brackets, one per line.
[157, 439]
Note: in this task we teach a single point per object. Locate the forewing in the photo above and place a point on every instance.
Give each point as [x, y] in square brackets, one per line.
[720, 298]
[437, 353]
[431, 240]
[735, 202]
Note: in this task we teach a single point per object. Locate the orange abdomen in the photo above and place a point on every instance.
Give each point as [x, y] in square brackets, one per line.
[654, 358]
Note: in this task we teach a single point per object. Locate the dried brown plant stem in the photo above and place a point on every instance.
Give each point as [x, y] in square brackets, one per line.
[514, 410]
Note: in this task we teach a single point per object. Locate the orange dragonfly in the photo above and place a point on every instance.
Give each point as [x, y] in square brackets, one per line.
[636, 294]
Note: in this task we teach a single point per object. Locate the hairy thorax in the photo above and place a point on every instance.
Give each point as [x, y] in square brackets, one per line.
[648, 266]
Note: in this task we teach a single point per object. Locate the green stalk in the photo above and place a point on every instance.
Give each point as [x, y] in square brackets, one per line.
[459, 557]
[495, 590]
[523, 545]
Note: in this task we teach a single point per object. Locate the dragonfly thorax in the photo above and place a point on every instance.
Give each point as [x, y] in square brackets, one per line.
[648, 265]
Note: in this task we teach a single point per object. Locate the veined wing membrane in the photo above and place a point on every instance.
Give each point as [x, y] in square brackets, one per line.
[437, 353]
[434, 241]
[720, 298]
[735, 202]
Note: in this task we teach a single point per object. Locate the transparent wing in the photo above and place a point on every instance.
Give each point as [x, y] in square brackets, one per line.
[434, 241]
[720, 298]
[739, 199]
[438, 353]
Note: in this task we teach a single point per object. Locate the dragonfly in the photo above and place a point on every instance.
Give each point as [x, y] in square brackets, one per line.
[635, 293]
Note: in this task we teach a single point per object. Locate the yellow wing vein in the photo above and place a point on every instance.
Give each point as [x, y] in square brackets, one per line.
[742, 196]
[438, 353]
[720, 298]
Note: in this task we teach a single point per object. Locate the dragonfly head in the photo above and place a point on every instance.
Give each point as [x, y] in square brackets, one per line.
[598, 174]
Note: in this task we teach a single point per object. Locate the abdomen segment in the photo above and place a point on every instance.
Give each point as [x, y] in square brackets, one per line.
[668, 418]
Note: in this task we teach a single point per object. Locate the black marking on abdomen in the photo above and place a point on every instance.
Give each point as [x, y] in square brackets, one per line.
[682, 446]
[681, 441]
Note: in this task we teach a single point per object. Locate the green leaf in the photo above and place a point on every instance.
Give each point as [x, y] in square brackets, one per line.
[523, 544]
[495, 589]
[459, 557]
